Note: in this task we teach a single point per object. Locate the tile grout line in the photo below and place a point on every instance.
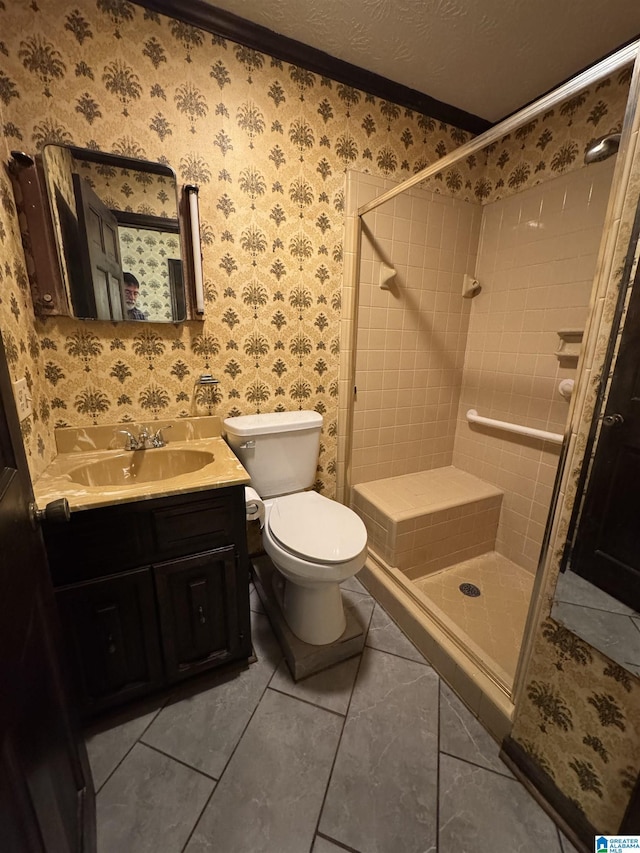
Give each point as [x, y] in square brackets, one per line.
[179, 761]
[137, 740]
[364, 594]
[597, 609]
[233, 752]
[423, 662]
[344, 723]
[335, 842]
[376, 604]
[479, 766]
[306, 701]
[197, 820]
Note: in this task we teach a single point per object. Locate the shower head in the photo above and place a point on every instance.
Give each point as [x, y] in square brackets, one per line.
[600, 149]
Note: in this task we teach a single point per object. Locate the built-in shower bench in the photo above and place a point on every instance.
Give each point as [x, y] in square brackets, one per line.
[429, 520]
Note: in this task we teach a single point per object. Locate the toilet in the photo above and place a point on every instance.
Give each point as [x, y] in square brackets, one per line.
[314, 542]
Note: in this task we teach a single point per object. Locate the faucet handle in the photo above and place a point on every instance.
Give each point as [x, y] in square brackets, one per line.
[132, 443]
[158, 438]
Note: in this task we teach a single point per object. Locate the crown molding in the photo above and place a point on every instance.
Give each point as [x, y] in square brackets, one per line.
[201, 14]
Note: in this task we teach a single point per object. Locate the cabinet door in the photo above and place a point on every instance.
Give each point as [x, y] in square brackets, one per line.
[198, 606]
[112, 635]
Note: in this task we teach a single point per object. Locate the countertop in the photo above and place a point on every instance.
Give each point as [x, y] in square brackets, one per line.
[78, 447]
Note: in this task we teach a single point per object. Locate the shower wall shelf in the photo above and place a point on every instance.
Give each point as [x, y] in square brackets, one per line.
[387, 276]
[569, 346]
[470, 286]
[554, 437]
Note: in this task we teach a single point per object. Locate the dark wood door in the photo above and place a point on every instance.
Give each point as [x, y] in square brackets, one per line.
[606, 550]
[111, 635]
[100, 248]
[46, 790]
[198, 605]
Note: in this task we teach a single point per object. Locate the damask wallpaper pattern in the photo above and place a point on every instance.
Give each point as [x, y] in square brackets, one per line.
[132, 191]
[555, 142]
[268, 145]
[580, 722]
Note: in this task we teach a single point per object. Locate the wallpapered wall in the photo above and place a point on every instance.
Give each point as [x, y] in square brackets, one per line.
[268, 144]
[130, 190]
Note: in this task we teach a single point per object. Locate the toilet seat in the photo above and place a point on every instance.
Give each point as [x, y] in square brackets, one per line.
[317, 529]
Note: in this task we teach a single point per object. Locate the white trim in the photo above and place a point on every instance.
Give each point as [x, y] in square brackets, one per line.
[612, 63]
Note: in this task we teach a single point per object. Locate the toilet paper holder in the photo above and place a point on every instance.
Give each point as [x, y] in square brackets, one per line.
[254, 506]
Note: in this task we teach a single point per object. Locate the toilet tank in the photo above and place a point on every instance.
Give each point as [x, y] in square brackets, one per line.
[279, 450]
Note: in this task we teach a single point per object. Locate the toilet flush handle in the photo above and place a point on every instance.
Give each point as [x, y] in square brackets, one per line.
[248, 445]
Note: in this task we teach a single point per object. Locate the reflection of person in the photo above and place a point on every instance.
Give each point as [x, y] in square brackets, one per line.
[131, 291]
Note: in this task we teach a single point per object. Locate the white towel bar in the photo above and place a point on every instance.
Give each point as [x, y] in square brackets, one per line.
[554, 437]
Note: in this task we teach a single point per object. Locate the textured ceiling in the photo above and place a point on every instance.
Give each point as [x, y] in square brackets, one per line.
[488, 57]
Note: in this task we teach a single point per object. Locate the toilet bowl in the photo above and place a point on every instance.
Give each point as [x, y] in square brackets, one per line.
[314, 543]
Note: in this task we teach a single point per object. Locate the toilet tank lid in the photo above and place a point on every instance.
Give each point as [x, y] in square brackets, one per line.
[263, 424]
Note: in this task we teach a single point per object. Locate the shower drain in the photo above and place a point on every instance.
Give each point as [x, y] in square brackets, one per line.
[469, 589]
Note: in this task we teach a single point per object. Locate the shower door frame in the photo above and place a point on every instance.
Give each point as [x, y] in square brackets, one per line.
[604, 271]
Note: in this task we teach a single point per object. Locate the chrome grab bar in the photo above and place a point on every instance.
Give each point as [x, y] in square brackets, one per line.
[554, 437]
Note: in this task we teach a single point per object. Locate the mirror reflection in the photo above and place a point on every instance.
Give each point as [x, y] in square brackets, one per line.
[604, 622]
[117, 233]
[598, 593]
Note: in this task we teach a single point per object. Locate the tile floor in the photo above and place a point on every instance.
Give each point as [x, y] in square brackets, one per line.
[375, 755]
[601, 620]
[495, 620]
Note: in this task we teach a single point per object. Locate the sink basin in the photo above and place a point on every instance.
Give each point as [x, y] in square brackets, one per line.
[140, 466]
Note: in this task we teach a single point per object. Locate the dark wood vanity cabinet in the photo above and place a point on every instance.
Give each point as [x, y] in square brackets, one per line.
[198, 608]
[151, 592]
[111, 633]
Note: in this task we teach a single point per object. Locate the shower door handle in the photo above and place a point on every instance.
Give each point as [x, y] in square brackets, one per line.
[612, 420]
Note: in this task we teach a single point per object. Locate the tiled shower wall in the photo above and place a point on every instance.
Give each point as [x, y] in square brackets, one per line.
[424, 355]
[536, 263]
[411, 337]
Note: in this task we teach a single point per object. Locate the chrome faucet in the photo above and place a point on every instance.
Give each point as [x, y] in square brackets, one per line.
[158, 440]
[145, 439]
[132, 442]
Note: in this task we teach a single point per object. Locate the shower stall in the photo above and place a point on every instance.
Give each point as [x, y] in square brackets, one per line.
[467, 296]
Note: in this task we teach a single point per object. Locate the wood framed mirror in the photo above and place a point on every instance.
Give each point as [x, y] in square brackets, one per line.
[106, 237]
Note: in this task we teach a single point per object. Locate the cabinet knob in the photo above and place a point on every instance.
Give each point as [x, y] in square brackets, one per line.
[201, 615]
[111, 646]
[54, 512]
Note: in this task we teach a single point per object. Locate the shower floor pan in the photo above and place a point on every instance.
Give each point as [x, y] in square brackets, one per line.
[432, 532]
[493, 621]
